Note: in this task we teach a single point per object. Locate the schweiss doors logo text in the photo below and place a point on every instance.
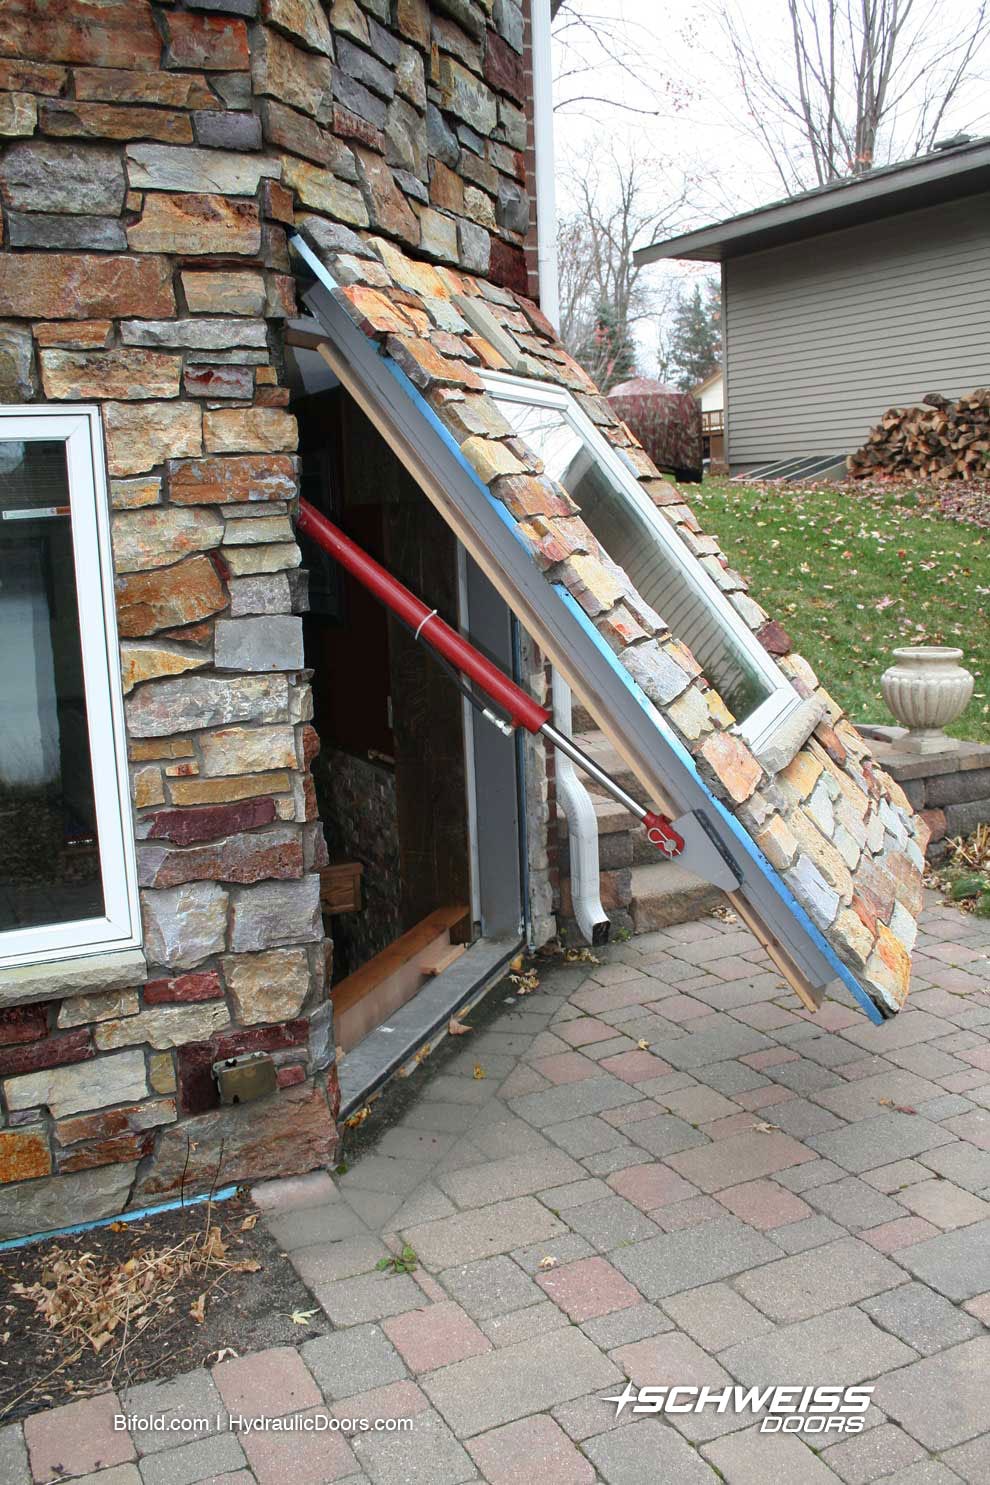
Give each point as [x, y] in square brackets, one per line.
[787, 1409]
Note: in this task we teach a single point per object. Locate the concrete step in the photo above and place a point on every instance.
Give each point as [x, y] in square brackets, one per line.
[663, 894]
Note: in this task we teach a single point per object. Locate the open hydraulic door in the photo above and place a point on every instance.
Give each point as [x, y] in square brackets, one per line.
[409, 342]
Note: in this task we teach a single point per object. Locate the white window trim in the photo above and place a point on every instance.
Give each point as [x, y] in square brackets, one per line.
[758, 728]
[81, 431]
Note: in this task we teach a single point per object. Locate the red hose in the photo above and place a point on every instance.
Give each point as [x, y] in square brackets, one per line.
[522, 709]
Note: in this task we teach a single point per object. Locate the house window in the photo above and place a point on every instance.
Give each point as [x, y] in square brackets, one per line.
[67, 880]
[656, 560]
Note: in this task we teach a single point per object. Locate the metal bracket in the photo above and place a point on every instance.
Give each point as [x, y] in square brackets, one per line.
[704, 854]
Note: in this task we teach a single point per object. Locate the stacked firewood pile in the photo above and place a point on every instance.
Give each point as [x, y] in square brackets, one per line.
[939, 440]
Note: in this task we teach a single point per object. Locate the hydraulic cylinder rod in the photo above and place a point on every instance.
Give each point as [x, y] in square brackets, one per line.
[427, 625]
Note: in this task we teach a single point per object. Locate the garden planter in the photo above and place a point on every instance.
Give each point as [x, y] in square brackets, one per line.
[926, 690]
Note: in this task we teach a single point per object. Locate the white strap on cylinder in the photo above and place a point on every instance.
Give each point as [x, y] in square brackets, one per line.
[423, 622]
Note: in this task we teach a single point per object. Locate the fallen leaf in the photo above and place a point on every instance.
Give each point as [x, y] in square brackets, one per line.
[250, 1222]
[355, 1120]
[457, 1028]
[479, 1071]
[765, 1127]
[548, 1262]
[198, 1309]
[302, 1317]
[526, 982]
[643, 1044]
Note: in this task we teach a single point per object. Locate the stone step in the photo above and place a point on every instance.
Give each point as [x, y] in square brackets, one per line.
[663, 894]
[660, 893]
[581, 719]
[600, 750]
[613, 818]
[621, 838]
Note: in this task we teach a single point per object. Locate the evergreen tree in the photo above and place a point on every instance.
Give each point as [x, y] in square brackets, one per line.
[608, 353]
[696, 339]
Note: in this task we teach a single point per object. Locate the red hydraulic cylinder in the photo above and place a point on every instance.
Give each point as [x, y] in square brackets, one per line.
[522, 709]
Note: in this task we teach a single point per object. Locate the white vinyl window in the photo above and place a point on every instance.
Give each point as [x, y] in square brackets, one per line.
[644, 543]
[67, 878]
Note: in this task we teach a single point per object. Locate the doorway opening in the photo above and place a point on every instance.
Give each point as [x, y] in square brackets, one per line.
[397, 777]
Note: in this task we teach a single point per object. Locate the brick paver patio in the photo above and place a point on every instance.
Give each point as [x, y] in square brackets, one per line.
[730, 1191]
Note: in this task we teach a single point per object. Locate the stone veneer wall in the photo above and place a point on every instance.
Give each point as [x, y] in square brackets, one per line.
[950, 790]
[838, 830]
[153, 156]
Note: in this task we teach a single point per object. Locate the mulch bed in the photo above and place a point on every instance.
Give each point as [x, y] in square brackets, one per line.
[251, 1294]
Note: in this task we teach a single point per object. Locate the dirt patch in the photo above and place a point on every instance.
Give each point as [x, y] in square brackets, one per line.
[245, 1309]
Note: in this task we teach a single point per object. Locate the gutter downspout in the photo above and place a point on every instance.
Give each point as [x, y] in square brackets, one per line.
[582, 824]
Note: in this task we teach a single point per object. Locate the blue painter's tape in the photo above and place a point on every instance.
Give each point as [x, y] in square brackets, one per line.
[748, 845]
[224, 1194]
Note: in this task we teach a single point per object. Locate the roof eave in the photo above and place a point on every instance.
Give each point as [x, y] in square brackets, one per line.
[913, 185]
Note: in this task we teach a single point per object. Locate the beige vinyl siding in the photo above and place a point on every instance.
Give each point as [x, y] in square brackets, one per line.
[823, 336]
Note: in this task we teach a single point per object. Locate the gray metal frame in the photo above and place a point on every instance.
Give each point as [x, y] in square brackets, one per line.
[496, 803]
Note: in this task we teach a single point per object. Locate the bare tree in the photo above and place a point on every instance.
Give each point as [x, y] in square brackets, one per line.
[864, 81]
[609, 60]
[618, 200]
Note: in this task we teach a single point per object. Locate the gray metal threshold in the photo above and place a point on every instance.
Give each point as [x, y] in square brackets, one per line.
[366, 1067]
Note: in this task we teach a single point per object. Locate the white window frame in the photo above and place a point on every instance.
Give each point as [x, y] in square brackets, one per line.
[81, 431]
[756, 729]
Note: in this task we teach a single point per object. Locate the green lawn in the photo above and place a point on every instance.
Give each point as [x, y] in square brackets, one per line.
[852, 576]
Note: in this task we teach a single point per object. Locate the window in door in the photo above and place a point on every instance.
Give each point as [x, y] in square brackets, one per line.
[637, 537]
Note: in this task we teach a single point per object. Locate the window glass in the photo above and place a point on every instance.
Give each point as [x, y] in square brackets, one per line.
[666, 575]
[49, 848]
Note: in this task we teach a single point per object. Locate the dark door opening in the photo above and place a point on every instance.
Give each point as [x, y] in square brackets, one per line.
[391, 778]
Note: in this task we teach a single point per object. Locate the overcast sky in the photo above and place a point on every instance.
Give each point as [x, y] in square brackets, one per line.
[692, 112]
[687, 116]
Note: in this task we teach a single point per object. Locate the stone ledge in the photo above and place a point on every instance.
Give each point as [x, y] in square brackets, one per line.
[902, 765]
[56, 980]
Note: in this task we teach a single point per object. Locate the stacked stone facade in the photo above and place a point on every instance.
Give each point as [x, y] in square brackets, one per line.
[839, 831]
[152, 159]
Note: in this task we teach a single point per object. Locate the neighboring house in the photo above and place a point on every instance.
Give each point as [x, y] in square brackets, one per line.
[244, 263]
[711, 394]
[846, 300]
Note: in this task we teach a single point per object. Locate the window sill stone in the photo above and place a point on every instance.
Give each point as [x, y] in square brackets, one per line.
[790, 737]
[115, 970]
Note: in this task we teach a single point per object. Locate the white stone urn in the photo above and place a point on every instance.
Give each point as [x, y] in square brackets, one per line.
[927, 689]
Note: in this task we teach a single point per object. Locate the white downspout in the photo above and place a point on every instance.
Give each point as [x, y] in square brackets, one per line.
[546, 206]
[582, 824]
